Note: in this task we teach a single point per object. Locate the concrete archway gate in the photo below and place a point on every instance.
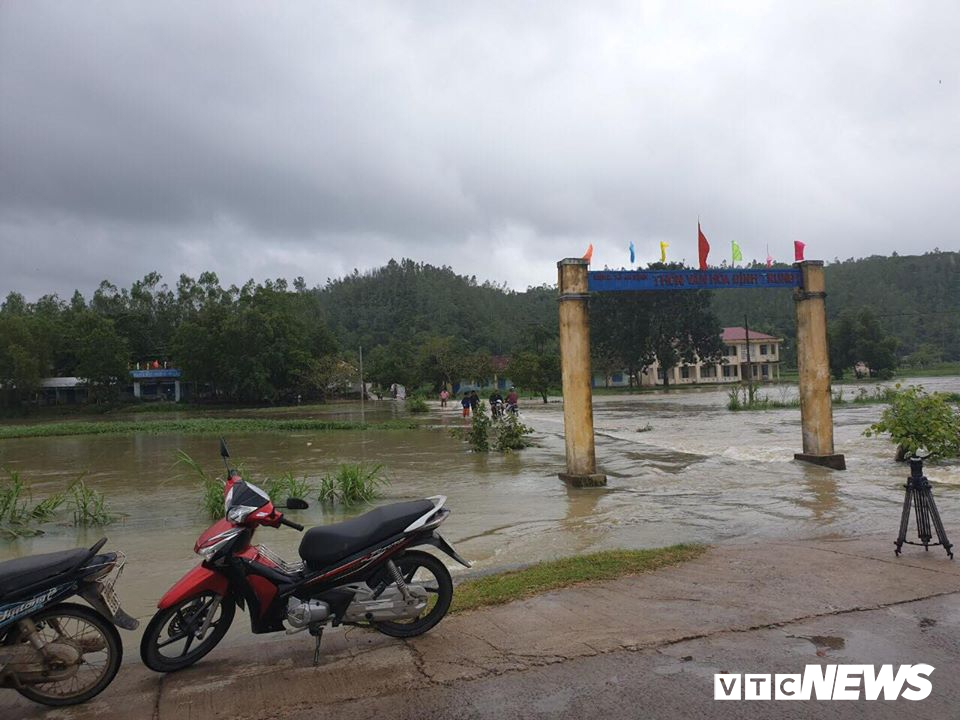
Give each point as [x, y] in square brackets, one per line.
[575, 285]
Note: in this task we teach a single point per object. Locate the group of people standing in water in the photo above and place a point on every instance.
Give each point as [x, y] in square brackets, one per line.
[470, 403]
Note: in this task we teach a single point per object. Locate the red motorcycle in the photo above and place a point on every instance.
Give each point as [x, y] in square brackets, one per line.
[363, 571]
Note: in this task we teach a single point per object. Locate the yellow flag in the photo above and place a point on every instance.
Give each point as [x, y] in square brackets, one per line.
[663, 251]
[735, 251]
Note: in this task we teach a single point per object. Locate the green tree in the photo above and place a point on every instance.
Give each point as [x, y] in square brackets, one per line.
[859, 337]
[535, 372]
[102, 358]
[21, 359]
[916, 419]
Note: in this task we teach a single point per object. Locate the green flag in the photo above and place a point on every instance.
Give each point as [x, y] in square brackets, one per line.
[737, 255]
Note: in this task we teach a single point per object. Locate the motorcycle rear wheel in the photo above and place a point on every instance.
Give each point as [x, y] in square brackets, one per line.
[425, 570]
[180, 623]
[95, 638]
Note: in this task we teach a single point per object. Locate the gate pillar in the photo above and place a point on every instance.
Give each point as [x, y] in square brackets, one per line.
[576, 375]
[813, 363]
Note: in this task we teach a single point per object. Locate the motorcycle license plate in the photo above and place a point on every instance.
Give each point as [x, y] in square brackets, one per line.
[109, 596]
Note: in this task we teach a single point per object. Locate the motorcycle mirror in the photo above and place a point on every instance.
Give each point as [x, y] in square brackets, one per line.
[224, 453]
[297, 504]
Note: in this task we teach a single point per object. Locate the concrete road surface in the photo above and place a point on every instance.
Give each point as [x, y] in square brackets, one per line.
[642, 647]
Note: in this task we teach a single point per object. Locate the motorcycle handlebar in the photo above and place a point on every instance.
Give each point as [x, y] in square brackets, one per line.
[290, 523]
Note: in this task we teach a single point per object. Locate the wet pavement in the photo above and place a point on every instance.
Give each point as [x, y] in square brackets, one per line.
[644, 646]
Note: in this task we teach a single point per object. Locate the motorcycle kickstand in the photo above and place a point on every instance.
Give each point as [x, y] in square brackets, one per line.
[317, 632]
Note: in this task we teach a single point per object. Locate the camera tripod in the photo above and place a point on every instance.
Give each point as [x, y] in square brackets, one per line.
[919, 494]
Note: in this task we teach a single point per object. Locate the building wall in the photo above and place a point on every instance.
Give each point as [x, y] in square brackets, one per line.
[730, 370]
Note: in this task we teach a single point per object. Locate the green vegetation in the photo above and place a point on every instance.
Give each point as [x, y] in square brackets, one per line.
[537, 372]
[913, 298]
[425, 327]
[510, 434]
[743, 397]
[917, 419]
[478, 435]
[89, 505]
[504, 434]
[211, 489]
[552, 575]
[17, 510]
[352, 484]
[859, 337]
[941, 369]
[192, 426]
[288, 486]
[416, 404]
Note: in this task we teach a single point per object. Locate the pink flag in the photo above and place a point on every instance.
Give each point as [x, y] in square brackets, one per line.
[588, 255]
[798, 250]
[769, 261]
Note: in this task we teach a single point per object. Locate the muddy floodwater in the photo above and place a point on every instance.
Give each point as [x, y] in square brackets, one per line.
[681, 468]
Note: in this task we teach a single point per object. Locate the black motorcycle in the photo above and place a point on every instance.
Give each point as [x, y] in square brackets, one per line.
[56, 652]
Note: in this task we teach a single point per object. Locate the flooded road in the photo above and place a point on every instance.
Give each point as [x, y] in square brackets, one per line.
[699, 474]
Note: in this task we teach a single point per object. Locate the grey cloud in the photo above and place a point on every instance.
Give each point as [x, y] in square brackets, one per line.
[261, 139]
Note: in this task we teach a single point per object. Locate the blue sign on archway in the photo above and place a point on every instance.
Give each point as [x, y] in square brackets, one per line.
[633, 280]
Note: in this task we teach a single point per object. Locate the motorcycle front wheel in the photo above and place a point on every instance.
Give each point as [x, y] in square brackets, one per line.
[171, 641]
[424, 570]
[96, 643]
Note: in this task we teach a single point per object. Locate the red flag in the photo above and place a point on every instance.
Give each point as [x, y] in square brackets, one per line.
[798, 250]
[703, 246]
[588, 255]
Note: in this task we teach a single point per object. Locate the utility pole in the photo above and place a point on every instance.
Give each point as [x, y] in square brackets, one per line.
[363, 389]
[746, 328]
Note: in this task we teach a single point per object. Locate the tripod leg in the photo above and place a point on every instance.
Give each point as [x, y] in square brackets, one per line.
[923, 515]
[904, 518]
[938, 524]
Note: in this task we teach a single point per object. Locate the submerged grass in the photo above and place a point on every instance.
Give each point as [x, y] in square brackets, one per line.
[192, 426]
[352, 484]
[89, 505]
[565, 572]
[288, 486]
[18, 513]
[211, 489]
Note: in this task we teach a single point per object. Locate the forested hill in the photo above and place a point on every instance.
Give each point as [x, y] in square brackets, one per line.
[915, 297]
[408, 300]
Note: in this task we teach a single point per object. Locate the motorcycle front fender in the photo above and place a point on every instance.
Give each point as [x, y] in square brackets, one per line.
[199, 580]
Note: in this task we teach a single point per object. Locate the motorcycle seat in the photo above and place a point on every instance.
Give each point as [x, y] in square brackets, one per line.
[324, 545]
[22, 573]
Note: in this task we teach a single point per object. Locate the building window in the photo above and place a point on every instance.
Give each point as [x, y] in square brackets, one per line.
[730, 350]
[617, 377]
[660, 374]
[685, 372]
[765, 370]
[730, 371]
[763, 349]
[708, 371]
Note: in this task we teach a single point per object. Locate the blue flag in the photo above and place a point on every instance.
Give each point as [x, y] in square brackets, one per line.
[632, 256]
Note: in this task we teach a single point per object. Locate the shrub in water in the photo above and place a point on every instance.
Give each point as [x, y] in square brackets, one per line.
[916, 419]
[417, 404]
[511, 434]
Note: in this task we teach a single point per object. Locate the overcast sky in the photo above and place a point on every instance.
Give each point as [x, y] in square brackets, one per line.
[277, 139]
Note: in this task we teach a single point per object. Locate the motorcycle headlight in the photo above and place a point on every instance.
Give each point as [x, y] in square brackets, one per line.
[239, 513]
[216, 544]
